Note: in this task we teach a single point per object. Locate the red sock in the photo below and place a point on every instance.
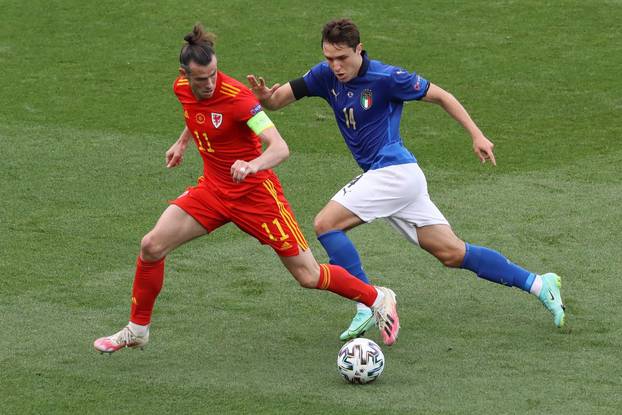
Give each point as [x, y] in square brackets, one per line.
[336, 279]
[147, 285]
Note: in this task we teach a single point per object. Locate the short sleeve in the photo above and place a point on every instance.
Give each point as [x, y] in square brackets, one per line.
[317, 80]
[247, 107]
[181, 88]
[407, 86]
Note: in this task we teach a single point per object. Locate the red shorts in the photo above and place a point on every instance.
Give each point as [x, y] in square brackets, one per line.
[263, 213]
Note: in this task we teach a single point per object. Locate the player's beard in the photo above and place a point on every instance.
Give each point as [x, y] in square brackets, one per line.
[202, 93]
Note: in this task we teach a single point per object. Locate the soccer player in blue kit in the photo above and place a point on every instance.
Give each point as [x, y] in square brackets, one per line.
[367, 97]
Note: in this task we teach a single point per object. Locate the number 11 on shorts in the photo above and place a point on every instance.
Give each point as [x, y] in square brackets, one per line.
[276, 223]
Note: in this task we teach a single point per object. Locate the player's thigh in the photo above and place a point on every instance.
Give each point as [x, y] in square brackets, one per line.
[383, 192]
[174, 227]
[420, 212]
[266, 215]
[335, 216]
[195, 212]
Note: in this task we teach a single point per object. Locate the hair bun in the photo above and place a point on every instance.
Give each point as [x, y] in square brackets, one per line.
[199, 47]
[199, 36]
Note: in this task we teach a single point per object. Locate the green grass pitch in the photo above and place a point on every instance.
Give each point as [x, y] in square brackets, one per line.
[87, 112]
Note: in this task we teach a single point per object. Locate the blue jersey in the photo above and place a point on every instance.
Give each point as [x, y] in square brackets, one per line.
[368, 109]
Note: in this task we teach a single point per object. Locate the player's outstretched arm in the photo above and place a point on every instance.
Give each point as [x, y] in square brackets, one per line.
[273, 98]
[175, 154]
[275, 152]
[482, 147]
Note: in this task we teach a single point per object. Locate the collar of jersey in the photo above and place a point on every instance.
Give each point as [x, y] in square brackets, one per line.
[364, 65]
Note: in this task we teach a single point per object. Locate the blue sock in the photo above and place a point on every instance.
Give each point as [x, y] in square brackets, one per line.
[342, 252]
[493, 266]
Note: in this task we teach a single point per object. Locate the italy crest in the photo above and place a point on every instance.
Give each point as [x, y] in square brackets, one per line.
[366, 99]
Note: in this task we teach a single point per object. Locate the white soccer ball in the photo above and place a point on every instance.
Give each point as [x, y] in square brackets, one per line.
[360, 361]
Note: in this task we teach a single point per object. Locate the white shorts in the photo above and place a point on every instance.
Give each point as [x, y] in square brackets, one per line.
[398, 193]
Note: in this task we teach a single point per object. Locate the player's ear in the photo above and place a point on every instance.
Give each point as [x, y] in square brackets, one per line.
[182, 71]
[359, 48]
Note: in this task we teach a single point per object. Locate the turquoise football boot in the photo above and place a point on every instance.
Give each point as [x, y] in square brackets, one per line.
[362, 321]
[551, 297]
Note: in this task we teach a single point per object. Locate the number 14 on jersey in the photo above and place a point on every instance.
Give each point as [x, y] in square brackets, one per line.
[348, 114]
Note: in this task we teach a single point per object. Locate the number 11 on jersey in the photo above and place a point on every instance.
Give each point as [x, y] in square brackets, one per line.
[204, 144]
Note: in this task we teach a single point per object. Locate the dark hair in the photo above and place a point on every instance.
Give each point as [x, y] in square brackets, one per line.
[341, 31]
[199, 47]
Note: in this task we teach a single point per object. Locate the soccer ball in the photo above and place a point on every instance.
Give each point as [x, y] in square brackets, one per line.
[360, 361]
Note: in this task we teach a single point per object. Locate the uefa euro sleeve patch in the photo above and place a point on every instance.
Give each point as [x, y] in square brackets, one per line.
[256, 109]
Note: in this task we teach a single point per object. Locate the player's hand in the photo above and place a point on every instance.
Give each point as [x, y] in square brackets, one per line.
[175, 155]
[483, 149]
[259, 88]
[240, 169]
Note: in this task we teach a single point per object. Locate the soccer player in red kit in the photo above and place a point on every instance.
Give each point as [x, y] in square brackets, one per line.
[228, 125]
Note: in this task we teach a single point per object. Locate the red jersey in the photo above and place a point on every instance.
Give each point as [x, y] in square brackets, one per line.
[218, 125]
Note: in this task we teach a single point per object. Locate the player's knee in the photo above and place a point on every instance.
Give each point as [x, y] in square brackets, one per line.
[321, 225]
[151, 249]
[451, 257]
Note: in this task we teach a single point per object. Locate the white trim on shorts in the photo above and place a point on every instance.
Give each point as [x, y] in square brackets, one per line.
[397, 193]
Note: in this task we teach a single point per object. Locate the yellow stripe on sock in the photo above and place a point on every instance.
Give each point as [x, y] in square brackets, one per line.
[326, 283]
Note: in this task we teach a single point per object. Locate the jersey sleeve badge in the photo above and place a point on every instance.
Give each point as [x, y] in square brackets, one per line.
[417, 85]
[257, 108]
